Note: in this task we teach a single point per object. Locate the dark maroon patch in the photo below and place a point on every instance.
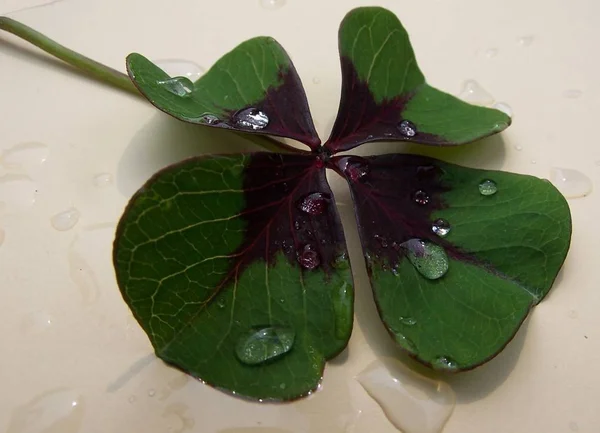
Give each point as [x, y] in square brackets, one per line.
[360, 119]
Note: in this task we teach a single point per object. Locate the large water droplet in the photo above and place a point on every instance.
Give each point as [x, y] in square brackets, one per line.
[103, 180]
[59, 410]
[65, 220]
[308, 257]
[180, 68]
[179, 86]
[251, 118]
[356, 168]
[421, 197]
[272, 4]
[473, 93]
[315, 203]
[407, 128]
[504, 107]
[441, 227]
[342, 299]
[571, 183]
[429, 259]
[444, 363]
[488, 187]
[412, 403]
[264, 344]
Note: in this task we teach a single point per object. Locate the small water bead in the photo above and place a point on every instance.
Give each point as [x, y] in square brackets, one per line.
[179, 86]
[407, 128]
[272, 4]
[525, 41]
[491, 52]
[210, 119]
[473, 93]
[571, 183]
[180, 68]
[297, 225]
[411, 402]
[356, 168]
[504, 107]
[308, 257]
[251, 118]
[316, 80]
[408, 321]
[151, 392]
[441, 227]
[103, 180]
[444, 363]
[421, 197]
[429, 259]
[65, 220]
[488, 187]
[518, 147]
[260, 345]
[314, 203]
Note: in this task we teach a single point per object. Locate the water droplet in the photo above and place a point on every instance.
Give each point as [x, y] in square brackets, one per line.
[408, 321]
[473, 93]
[308, 257]
[572, 93]
[421, 197]
[444, 363]
[342, 299]
[525, 41]
[314, 203]
[282, 385]
[65, 220]
[58, 410]
[179, 86]
[533, 161]
[488, 187]
[429, 259]
[571, 183]
[413, 403]
[27, 157]
[151, 392]
[260, 345]
[297, 225]
[272, 4]
[491, 52]
[251, 118]
[407, 128]
[505, 108]
[441, 227]
[103, 179]
[221, 303]
[180, 68]
[36, 322]
[209, 119]
[518, 147]
[356, 168]
[316, 80]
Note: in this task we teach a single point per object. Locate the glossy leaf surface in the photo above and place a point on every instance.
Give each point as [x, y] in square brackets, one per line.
[385, 96]
[506, 239]
[234, 277]
[254, 88]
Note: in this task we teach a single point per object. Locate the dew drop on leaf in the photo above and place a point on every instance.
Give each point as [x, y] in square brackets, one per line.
[429, 259]
[314, 204]
[408, 321]
[356, 168]
[308, 257]
[210, 119]
[488, 187]
[260, 345]
[251, 118]
[179, 86]
[421, 197]
[441, 227]
[407, 128]
[444, 363]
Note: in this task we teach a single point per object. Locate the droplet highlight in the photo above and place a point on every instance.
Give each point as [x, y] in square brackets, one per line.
[258, 346]
[421, 197]
[65, 220]
[571, 183]
[179, 86]
[308, 257]
[407, 128]
[314, 203]
[441, 227]
[181, 68]
[473, 93]
[251, 118]
[25, 157]
[429, 259]
[272, 4]
[488, 187]
[356, 168]
[411, 402]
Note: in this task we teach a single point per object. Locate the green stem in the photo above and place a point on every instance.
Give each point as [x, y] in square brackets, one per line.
[105, 74]
[91, 67]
